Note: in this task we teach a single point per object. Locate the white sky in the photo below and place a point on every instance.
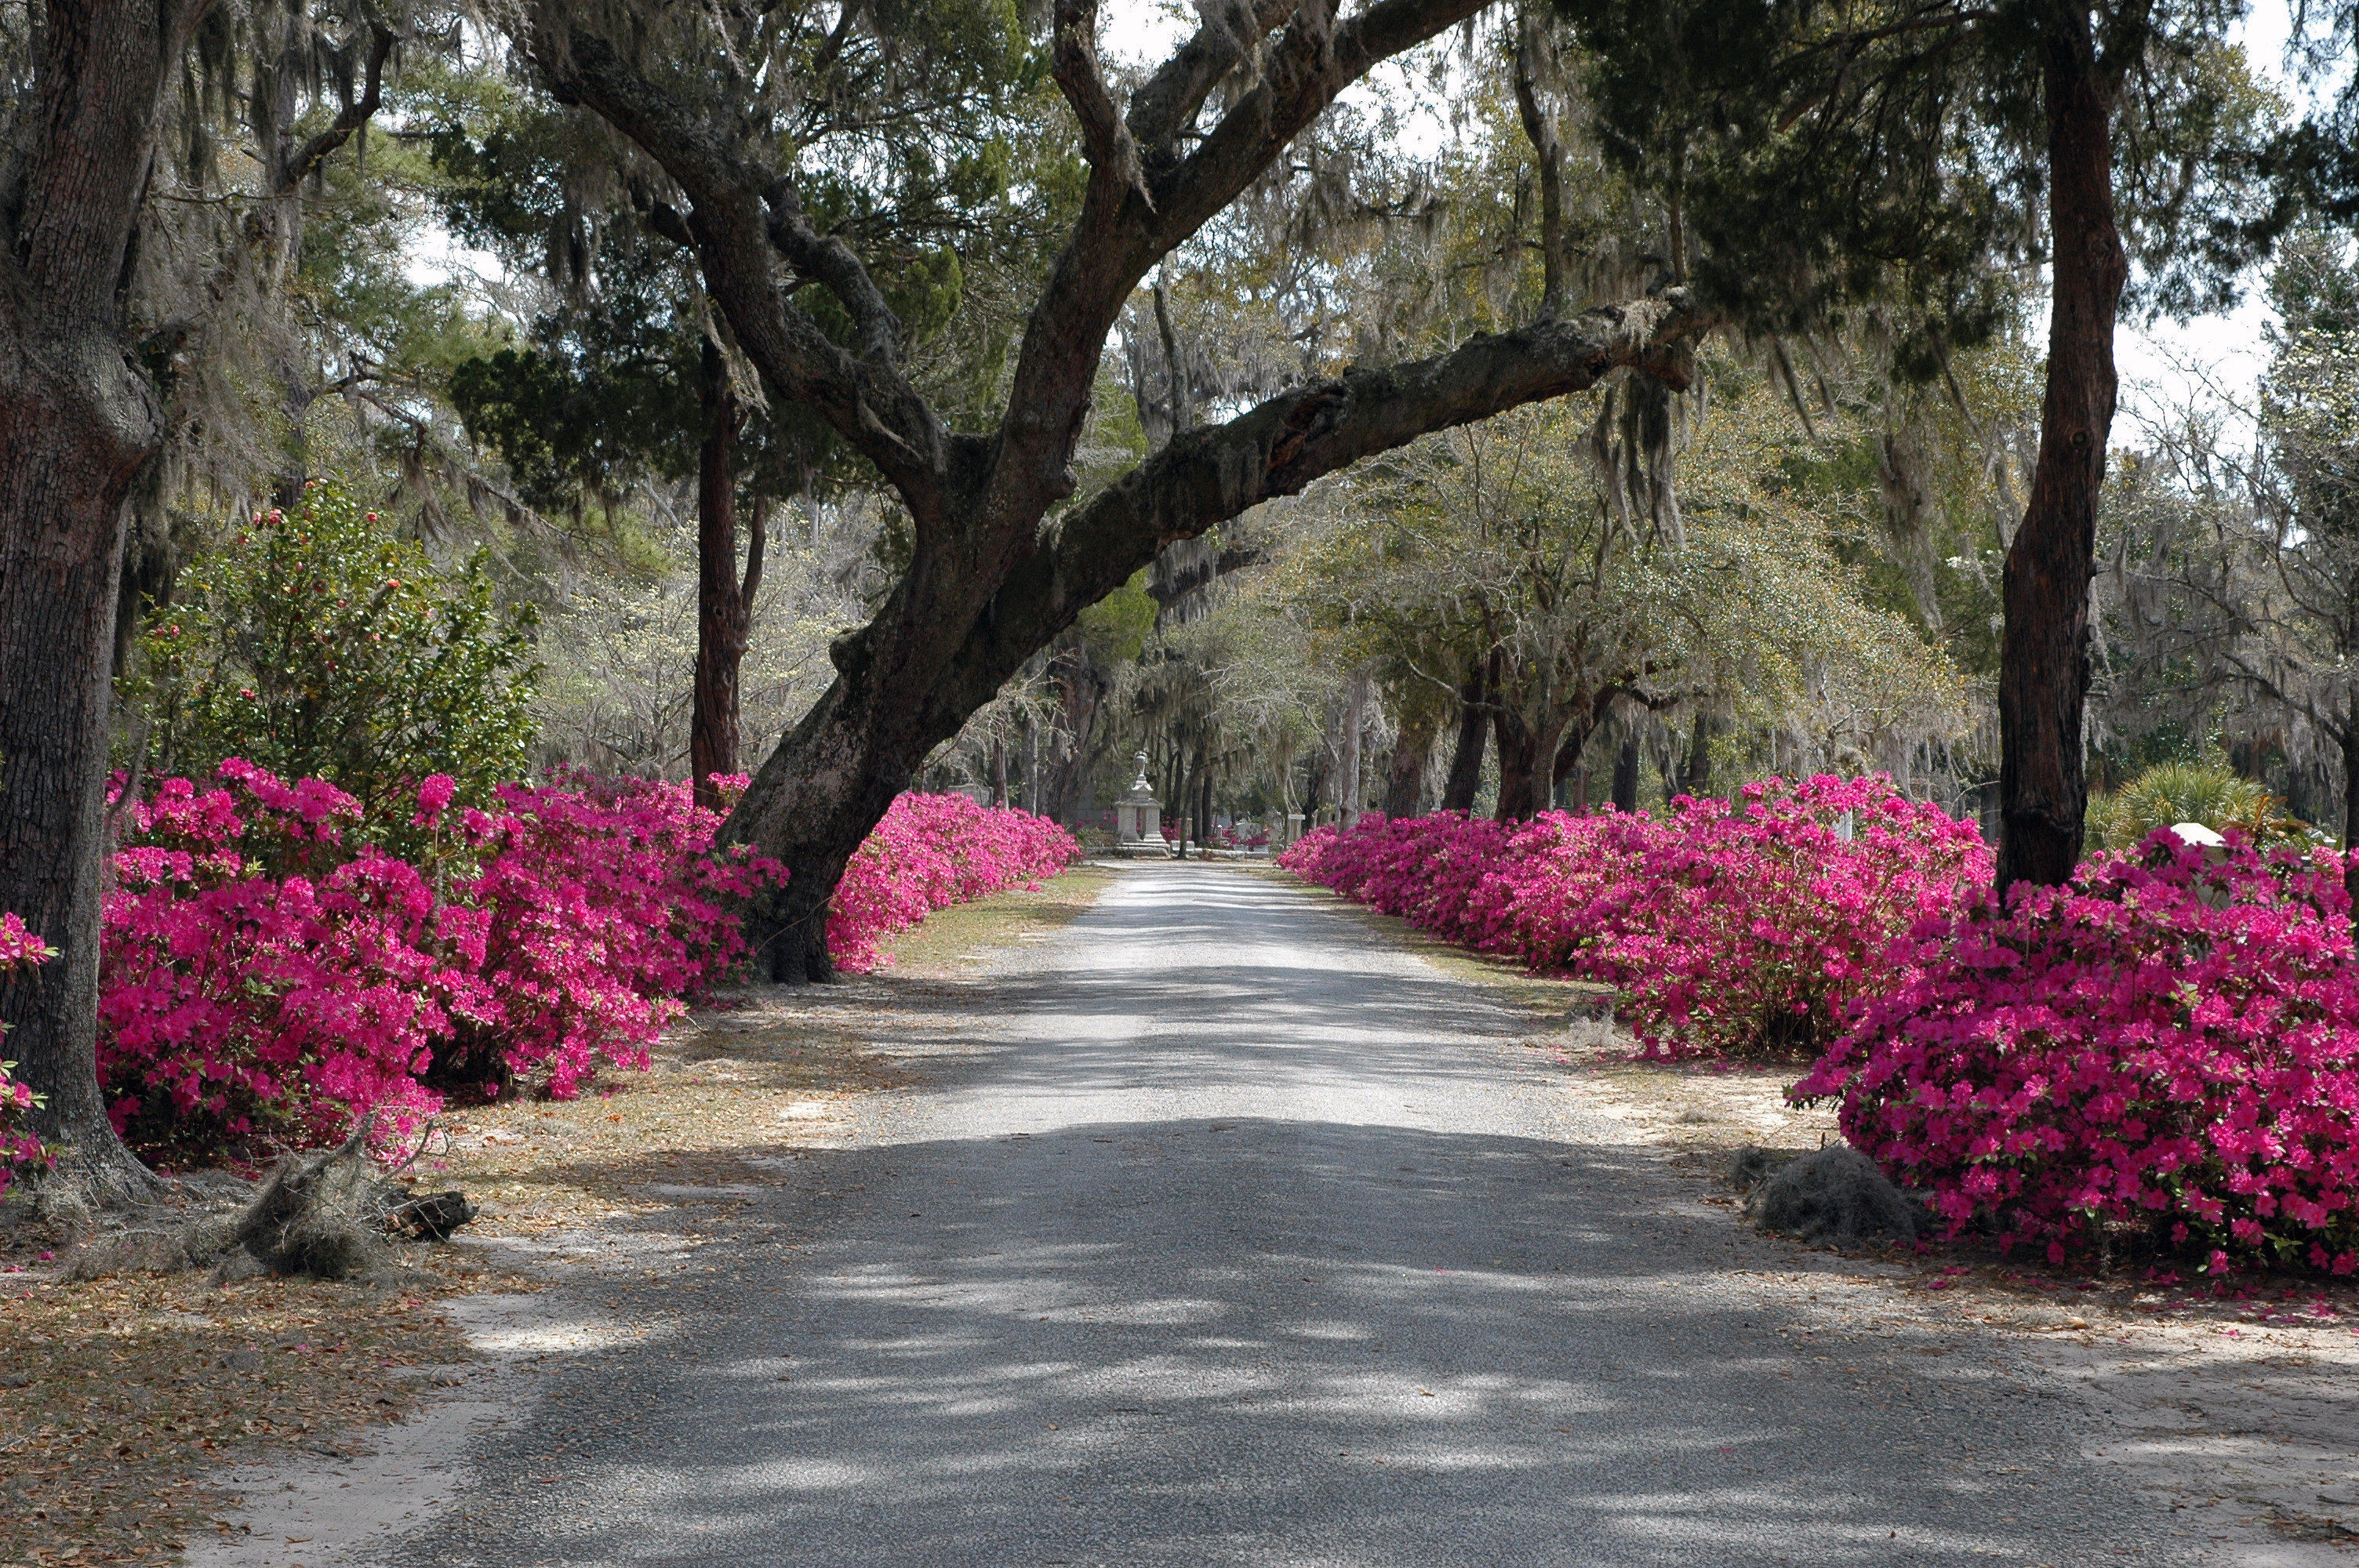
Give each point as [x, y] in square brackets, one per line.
[2214, 360]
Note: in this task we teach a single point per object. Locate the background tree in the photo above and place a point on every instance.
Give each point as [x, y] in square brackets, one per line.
[1901, 159]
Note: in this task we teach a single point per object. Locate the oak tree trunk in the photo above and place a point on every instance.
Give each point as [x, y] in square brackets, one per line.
[1625, 772]
[79, 427]
[2044, 654]
[1526, 760]
[1347, 770]
[1696, 779]
[2350, 804]
[725, 602]
[1466, 780]
[1405, 778]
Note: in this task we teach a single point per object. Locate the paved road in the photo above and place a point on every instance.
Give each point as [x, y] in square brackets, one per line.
[1246, 1238]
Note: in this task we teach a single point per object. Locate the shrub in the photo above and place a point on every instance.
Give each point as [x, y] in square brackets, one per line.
[322, 646]
[264, 979]
[19, 1150]
[597, 905]
[1745, 934]
[2172, 793]
[2171, 1042]
[931, 851]
[260, 978]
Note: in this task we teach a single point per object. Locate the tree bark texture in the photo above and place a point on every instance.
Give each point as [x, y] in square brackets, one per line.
[1696, 778]
[1405, 777]
[1347, 768]
[79, 426]
[725, 602]
[1466, 779]
[1526, 759]
[1625, 772]
[986, 586]
[1548, 150]
[2351, 802]
[2044, 654]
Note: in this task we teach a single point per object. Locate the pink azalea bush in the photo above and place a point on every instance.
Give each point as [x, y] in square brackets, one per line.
[257, 973]
[264, 976]
[1732, 933]
[931, 851]
[19, 1150]
[2169, 1041]
[260, 976]
[598, 904]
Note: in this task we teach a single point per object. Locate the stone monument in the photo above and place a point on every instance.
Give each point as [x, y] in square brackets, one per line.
[1138, 817]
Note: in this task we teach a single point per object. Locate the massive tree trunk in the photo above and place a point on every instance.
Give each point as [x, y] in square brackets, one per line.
[986, 586]
[79, 427]
[1081, 686]
[725, 602]
[1695, 779]
[2044, 654]
[1466, 780]
[1527, 756]
[1347, 769]
[2350, 739]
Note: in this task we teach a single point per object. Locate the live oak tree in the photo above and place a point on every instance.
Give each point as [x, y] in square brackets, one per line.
[150, 203]
[1003, 553]
[627, 376]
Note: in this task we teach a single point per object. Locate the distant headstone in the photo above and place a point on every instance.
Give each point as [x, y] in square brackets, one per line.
[1138, 818]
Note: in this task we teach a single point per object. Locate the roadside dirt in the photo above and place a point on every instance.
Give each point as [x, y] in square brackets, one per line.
[142, 1416]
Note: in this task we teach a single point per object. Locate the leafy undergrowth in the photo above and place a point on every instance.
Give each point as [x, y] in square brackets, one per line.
[118, 1395]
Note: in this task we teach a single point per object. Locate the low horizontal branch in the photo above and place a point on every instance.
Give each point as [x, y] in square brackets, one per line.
[1207, 476]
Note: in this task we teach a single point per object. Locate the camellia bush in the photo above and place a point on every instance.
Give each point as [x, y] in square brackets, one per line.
[320, 643]
[931, 851]
[19, 1150]
[1736, 931]
[2169, 1043]
[266, 975]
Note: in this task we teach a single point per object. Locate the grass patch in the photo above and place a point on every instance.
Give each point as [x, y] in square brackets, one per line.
[956, 940]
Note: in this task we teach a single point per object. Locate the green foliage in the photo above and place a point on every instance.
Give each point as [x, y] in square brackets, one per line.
[2172, 793]
[1117, 625]
[320, 645]
[1885, 163]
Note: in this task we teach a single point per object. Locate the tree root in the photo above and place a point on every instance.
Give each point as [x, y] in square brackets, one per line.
[333, 1217]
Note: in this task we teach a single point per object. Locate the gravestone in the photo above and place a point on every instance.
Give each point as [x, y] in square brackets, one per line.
[1138, 818]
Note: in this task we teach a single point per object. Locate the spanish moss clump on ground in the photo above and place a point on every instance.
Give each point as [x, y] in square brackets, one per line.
[1835, 1195]
[331, 1217]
